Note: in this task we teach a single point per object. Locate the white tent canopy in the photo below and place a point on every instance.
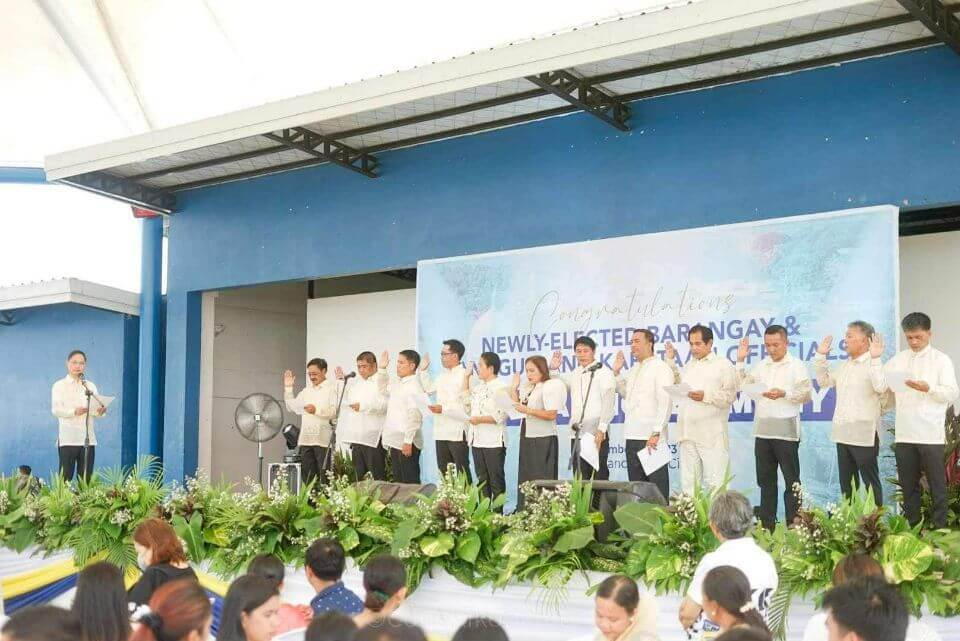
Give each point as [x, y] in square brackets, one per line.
[79, 72]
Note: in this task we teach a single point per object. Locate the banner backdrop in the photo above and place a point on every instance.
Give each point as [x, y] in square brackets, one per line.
[813, 274]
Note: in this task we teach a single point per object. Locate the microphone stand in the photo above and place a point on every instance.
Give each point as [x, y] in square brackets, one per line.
[333, 433]
[575, 450]
[86, 436]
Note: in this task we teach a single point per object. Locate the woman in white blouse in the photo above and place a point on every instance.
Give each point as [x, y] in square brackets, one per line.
[539, 398]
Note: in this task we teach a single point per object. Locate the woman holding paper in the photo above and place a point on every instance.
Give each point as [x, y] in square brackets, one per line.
[538, 399]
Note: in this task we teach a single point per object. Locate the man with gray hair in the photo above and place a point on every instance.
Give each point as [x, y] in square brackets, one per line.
[731, 520]
[859, 386]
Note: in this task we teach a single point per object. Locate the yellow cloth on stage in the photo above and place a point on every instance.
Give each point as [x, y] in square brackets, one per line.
[25, 582]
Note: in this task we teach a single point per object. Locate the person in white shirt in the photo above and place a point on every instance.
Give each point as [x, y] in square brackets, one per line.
[858, 566]
[450, 424]
[776, 420]
[593, 403]
[921, 411]
[539, 398]
[319, 405]
[368, 399]
[402, 437]
[866, 609]
[856, 418]
[488, 426]
[704, 414]
[731, 520]
[68, 400]
[646, 406]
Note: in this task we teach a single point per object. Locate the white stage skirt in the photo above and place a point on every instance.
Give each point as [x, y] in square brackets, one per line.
[441, 603]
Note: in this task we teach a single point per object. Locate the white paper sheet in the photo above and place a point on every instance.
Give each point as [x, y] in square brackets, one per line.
[754, 390]
[653, 460]
[897, 381]
[504, 403]
[456, 414]
[296, 405]
[97, 401]
[421, 402]
[589, 451]
[678, 392]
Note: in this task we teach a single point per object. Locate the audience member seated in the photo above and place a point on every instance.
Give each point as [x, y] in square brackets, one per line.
[177, 611]
[160, 556]
[731, 520]
[325, 563]
[289, 616]
[622, 613]
[249, 610]
[331, 626]
[41, 623]
[390, 630]
[728, 601]
[743, 633]
[855, 566]
[100, 604]
[385, 583]
[480, 629]
[866, 609]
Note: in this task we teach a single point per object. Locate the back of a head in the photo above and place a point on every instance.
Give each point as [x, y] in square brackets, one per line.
[331, 626]
[177, 608]
[326, 559]
[480, 629]
[246, 594]
[383, 576]
[42, 623]
[869, 607]
[162, 539]
[390, 630]
[267, 566]
[855, 566]
[620, 589]
[729, 588]
[745, 633]
[731, 514]
[100, 603]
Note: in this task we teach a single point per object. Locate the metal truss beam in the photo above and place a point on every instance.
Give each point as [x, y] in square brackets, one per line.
[314, 144]
[633, 72]
[581, 93]
[939, 19]
[213, 162]
[151, 198]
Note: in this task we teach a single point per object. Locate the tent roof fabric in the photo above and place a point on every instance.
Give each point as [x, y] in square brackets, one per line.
[703, 44]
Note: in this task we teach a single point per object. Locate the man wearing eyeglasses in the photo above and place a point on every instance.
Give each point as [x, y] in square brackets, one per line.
[450, 421]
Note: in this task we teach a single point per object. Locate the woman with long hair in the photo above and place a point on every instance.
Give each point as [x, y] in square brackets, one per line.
[100, 604]
[622, 612]
[249, 610]
[161, 557]
[177, 611]
[728, 600]
[385, 583]
[290, 616]
[539, 398]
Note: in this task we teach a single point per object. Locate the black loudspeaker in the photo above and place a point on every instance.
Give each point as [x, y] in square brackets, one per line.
[609, 495]
[398, 492]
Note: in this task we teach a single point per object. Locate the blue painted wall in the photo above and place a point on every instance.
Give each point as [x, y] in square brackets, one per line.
[871, 132]
[33, 352]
